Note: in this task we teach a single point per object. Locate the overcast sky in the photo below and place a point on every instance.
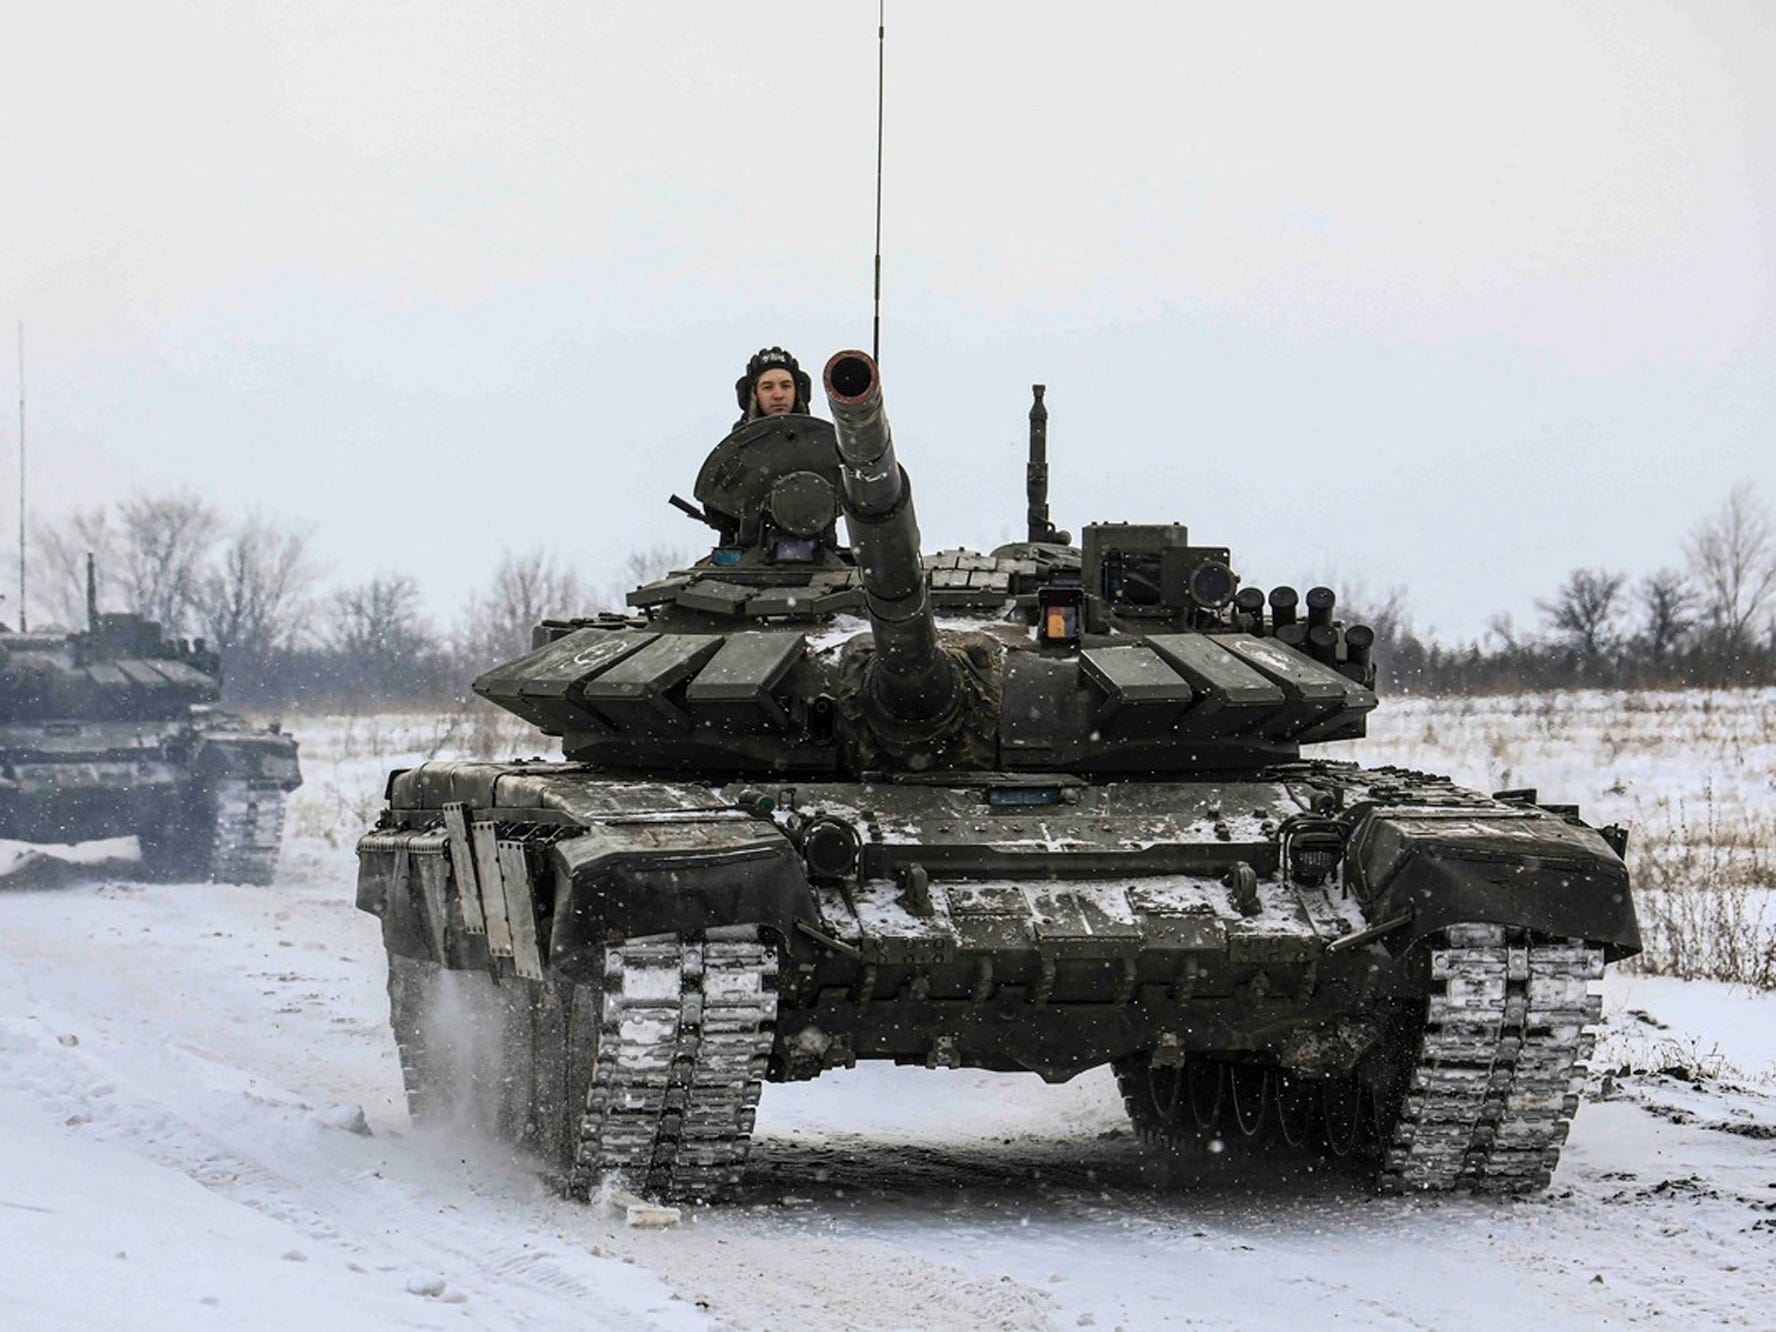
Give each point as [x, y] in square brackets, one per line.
[1378, 295]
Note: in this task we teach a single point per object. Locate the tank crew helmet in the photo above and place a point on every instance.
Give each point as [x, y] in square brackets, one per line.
[771, 358]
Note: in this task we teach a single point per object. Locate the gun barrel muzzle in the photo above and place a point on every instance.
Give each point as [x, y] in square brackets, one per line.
[870, 473]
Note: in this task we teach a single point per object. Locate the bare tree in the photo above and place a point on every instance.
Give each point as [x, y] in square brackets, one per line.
[256, 600]
[380, 617]
[1399, 652]
[1733, 556]
[164, 544]
[641, 567]
[1501, 626]
[644, 566]
[379, 637]
[1387, 615]
[1668, 607]
[525, 588]
[60, 548]
[1587, 612]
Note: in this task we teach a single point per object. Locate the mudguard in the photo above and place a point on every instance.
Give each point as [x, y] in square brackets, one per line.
[251, 756]
[1509, 866]
[501, 849]
[624, 880]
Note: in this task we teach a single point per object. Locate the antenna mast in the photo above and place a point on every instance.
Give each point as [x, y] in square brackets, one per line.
[1036, 473]
[881, 61]
[23, 614]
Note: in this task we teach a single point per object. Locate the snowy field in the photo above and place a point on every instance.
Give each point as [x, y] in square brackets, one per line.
[1691, 775]
[204, 1125]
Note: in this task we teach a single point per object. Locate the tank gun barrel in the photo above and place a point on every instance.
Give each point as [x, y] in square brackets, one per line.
[913, 681]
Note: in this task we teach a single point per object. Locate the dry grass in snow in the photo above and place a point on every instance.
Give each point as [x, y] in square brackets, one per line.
[1692, 775]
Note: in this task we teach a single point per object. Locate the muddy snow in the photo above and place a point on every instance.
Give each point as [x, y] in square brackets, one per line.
[203, 1127]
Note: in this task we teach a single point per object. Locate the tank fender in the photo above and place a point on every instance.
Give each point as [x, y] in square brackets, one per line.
[671, 875]
[1491, 866]
[404, 880]
[254, 757]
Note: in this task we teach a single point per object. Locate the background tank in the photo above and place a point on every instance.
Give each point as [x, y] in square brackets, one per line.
[110, 732]
[1042, 810]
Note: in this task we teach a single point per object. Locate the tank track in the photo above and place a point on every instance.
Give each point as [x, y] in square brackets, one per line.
[247, 831]
[1482, 1103]
[1500, 1065]
[684, 1037]
[408, 985]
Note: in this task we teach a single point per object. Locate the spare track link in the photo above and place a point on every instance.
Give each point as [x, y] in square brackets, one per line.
[1492, 1090]
[684, 1038]
[247, 831]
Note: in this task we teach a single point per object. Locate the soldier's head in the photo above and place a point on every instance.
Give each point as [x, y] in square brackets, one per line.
[772, 385]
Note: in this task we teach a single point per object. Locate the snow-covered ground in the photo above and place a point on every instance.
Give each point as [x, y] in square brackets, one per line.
[201, 1125]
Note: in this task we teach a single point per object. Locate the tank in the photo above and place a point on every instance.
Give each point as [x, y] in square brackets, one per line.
[1040, 810]
[112, 731]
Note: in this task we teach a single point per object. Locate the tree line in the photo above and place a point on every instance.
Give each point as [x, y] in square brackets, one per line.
[1708, 620]
[251, 587]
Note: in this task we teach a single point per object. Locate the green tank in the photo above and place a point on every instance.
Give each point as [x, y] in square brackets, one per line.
[112, 731]
[1041, 810]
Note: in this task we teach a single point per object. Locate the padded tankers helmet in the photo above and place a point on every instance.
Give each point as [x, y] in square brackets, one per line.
[771, 358]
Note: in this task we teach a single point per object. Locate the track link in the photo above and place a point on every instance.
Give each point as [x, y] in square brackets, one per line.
[1491, 1093]
[684, 1037]
[247, 831]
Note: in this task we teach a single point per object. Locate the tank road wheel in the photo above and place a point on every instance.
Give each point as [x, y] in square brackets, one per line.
[1297, 1103]
[1341, 1115]
[1273, 1109]
[683, 1041]
[1474, 1087]
[1206, 1082]
[1164, 1086]
[1152, 1095]
[1179, 1106]
[1249, 1088]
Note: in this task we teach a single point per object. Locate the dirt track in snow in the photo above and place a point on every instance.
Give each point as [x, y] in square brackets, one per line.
[208, 1048]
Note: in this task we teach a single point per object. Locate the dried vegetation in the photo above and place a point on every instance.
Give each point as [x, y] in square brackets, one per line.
[1691, 774]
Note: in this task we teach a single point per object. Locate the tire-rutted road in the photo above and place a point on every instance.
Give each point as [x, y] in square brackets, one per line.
[182, 1069]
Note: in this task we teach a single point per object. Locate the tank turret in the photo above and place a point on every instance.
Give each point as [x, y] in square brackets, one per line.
[786, 651]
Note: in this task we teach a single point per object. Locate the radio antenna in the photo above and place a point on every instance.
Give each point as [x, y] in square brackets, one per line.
[23, 620]
[881, 62]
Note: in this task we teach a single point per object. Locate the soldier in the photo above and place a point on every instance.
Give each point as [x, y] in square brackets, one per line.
[773, 385]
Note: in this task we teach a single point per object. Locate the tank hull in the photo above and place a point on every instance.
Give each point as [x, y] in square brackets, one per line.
[82, 800]
[205, 800]
[614, 943]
